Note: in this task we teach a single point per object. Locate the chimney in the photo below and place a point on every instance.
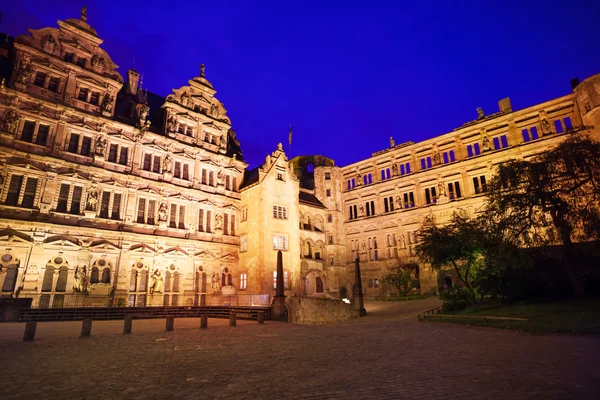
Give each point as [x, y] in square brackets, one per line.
[133, 77]
[574, 83]
[505, 105]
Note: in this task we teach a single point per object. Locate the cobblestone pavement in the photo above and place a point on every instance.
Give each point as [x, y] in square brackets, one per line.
[387, 355]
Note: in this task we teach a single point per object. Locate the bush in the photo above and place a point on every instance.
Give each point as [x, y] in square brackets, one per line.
[457, 298]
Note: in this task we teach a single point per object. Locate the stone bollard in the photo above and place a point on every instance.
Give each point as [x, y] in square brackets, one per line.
[127, 325]
[232, 319]
[203, 321]
[170, 323]
[86, 327]
[261, 317]
[30, 328]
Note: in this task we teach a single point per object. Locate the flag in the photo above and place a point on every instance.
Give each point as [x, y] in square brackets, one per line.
[290, 135]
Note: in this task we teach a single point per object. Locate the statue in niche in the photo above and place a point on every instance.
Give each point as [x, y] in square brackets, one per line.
[220, 178]
[107, 103]
[214, 110]
[223, 141]
[80, 280]
[486, 143]
[395, 169]
[436, 157]
[361, 210]
[156, 282]
[402, 241]
[98, 64]
[392, 142]
[25, 70]
[546, 129]
[143, 111]
[359, 178]
[399, 202]
[219, 221]
[216, 282]
[441, 189]
[100, 146]
[480, 113]
[171, 124]
[364, 246]
[167, 164]
[92, 199]
[185, 99]
[48, 43]
[163, 211]
[10, 122]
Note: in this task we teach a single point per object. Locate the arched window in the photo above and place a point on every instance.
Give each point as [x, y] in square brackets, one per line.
[203, 287]
[167, 282]
[175, 300]
[176, 282]
[197, 282]
[229, 280]
[308, 250]
[48, 276]
[319, 283]
[133, 281]
[166, 299]
[106, 275]
[94, 276]
[61, 283]
[10, 280]
[310, 168]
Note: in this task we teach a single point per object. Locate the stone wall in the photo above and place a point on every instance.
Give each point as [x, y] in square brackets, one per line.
[318, 311]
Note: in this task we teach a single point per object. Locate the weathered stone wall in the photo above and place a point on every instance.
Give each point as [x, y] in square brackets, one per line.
[318, 311]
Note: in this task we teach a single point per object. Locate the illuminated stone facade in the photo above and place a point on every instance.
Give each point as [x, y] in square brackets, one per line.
[109, 193]
[108, 189]
[388, 196]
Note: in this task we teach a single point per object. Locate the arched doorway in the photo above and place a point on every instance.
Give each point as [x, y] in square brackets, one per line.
[315, 283]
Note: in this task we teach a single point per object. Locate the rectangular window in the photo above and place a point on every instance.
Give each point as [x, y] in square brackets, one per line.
[42, 135]
[426, 163]
[558, 126]
[232, 221]
[454, 190]
[280, 176]
[279, 212]
[81, 61]
[63, 198]
[123, 155]
[40, 79]
[500, 142]
[449, 157]
[29, 194]
[173, 216]
[211, 178]
[280, 242]
[147, 162]
[243, 281]
[104, 203]
[28, 131]
[327, 176]
[201, 220]
[405, 168]
[76, 200]
[409, 200]
[388, 204]
[328, 192]
[244, 214]
[181, 224]
[86, 145]
[116, 207]
[83, 94]
[473, 150]
[95, 98]
[243, 243]
[141, 213]
[112, 153]
[186, 172]
[156, 164]
[329, 218]
[568, 123]
[151, 212]
[14, 189]
[177, 170]
[53, 84]
[430, 195]
[225, 224]
[479, 184]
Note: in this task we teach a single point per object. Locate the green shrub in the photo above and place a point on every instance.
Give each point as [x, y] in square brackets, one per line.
[457, 298]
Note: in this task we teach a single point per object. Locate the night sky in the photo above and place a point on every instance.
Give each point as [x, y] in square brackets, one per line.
[347, 75]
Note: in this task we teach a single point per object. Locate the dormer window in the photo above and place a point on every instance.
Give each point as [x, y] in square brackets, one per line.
[181, 129]
[69, 57]
[280, 176]
[83, 94]
[53, 84]
[95, 98]
[81, 61]
[40, 79]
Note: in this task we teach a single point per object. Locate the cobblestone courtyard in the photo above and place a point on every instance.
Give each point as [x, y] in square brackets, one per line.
[387, 355]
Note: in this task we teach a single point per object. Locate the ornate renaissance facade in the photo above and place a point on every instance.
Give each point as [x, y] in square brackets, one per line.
[111, 193]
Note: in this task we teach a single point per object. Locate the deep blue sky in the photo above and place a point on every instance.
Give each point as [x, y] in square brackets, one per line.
[347, 75]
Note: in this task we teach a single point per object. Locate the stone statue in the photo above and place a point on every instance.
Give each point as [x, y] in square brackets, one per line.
[216, 282]
[480, 113]
[392, 142]
[361, 210]
[25, 70]
[167, 164]
[202, 70]
[214, 110]
[402, 241]
[220, 178]
[441, 189]
[436, 157]
[395, 169]
[223, 141]
[10, 122]
[98, 64]
[218, 221]
[100, 147]
[171, 124]
[48, 43]
[359, 179]
[107, 103]
[364, 246]
[156, 282]
[546, 129]
[185, 99]
[84, 14]
[92, 199]
[3, 84]
[80, 281]
[143, 111]
[163, 211]
[486, 143]
[399, 202]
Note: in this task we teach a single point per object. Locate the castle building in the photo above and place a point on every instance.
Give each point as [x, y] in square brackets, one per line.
[110, 194]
